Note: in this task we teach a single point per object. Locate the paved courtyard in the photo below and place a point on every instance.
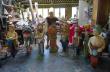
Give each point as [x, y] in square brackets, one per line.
[50, 63]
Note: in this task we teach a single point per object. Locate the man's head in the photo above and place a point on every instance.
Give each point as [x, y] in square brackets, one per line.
[51, 14]
[40, 16]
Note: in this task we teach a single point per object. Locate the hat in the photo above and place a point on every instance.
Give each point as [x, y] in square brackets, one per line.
[97, 29]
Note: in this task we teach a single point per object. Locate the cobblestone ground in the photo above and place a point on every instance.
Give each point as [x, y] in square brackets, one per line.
[50, 63]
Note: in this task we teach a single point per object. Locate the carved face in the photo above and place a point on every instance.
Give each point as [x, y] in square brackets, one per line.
[95, 32]
[40, 28]
[11, 28]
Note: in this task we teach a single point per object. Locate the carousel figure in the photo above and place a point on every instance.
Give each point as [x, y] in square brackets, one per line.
[52, 35]
[96, 46]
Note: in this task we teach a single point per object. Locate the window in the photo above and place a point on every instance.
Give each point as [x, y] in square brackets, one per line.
[74, 11]
[45, 12]
[57, 12]
[40, 12]
[62, 12]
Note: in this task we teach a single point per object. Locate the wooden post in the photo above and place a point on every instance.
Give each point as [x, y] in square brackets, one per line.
[95, 10]
[101, 9]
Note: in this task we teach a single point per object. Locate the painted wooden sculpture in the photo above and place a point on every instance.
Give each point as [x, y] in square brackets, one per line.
[65, 35]
[52, 32]
[87, 31]
[76, 40]
[96, 45]
[40, 38]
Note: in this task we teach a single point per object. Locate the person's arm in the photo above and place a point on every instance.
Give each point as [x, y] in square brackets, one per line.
[16, 36]
[89, 45]
[45, 25]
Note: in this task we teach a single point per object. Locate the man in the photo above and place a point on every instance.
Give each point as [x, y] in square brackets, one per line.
[51, 20]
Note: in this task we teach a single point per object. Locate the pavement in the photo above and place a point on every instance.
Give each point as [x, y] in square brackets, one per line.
[49, 63]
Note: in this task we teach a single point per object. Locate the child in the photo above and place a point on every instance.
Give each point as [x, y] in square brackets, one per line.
[64, 40]
[40, 38]
[76, 41]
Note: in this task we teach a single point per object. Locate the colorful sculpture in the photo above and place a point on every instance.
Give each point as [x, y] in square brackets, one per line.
[40, 38]
[87, 30]
[96, 45]
[52, 32]
[64, 38]
[12, 40]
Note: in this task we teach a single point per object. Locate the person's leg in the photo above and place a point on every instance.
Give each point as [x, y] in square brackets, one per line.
[39, 48]
[75, 50]
[64, 47]
[35, 41]
[42, 47]
[47, 41]
[78, 51]
[13, 49]
[9, 44]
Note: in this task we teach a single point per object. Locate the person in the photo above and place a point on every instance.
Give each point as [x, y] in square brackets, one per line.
[51, 23]
[40, 37]
[51, 19]
[71, 33]
[64, 38]
[12, 40]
